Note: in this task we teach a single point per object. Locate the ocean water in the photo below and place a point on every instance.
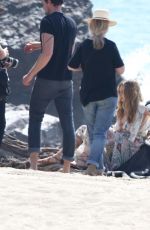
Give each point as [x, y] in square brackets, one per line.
[132, 36]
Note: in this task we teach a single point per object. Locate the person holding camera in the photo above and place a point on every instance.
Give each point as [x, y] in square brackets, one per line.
[3, 92]
[5, 63]
[53, 81]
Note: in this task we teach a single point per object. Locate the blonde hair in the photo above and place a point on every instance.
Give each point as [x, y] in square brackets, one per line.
[98, 28]
[132, 98]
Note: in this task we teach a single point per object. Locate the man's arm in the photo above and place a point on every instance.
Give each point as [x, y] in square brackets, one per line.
[43, 59]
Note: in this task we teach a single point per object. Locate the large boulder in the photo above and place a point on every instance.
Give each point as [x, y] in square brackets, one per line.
[17, 126]
[20, 19]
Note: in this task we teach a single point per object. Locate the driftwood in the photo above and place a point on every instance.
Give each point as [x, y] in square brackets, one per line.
[14, 145]
[18, 154]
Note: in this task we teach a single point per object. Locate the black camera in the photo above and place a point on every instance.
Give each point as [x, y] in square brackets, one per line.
[10, 60]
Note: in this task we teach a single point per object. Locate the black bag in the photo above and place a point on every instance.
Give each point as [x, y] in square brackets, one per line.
[138, 162]
[4, 86]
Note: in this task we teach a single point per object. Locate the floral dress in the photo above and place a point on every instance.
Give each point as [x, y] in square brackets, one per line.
[128, 141]
[82, 152]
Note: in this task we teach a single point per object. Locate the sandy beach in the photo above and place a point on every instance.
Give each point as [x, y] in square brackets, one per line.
[32, 200]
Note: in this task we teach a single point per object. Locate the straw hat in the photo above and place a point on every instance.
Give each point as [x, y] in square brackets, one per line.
[102, 14]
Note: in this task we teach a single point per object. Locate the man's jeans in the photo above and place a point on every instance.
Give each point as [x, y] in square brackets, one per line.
[2, 119]
[99, 117]
[43, 92]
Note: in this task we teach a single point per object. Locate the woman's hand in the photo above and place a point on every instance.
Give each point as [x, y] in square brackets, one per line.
[32, 46]
[28, 48]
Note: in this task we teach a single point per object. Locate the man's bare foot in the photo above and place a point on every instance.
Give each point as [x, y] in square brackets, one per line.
[66, 167]
[33, 160]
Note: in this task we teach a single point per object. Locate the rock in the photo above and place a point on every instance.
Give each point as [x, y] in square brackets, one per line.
[17, 126]
[26, 16]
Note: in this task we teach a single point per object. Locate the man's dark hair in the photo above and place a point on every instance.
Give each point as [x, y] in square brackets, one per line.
[56, 2]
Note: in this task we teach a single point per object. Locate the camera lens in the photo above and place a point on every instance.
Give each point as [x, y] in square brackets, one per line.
[14, 62]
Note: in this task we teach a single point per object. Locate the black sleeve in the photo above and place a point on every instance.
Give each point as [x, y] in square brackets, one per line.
[46, 26]
[75, 61]
[4, 89]
[117, 60]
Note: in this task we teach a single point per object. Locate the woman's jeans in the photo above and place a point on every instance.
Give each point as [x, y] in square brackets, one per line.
[2, 119]
[99, 117]
[61, 92]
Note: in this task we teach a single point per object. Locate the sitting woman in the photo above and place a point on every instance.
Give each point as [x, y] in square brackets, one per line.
[133, 122]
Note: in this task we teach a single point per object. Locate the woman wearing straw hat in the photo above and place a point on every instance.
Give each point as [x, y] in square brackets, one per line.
[100, 61]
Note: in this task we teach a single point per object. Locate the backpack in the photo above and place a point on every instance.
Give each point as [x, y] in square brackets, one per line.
[138, 162]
